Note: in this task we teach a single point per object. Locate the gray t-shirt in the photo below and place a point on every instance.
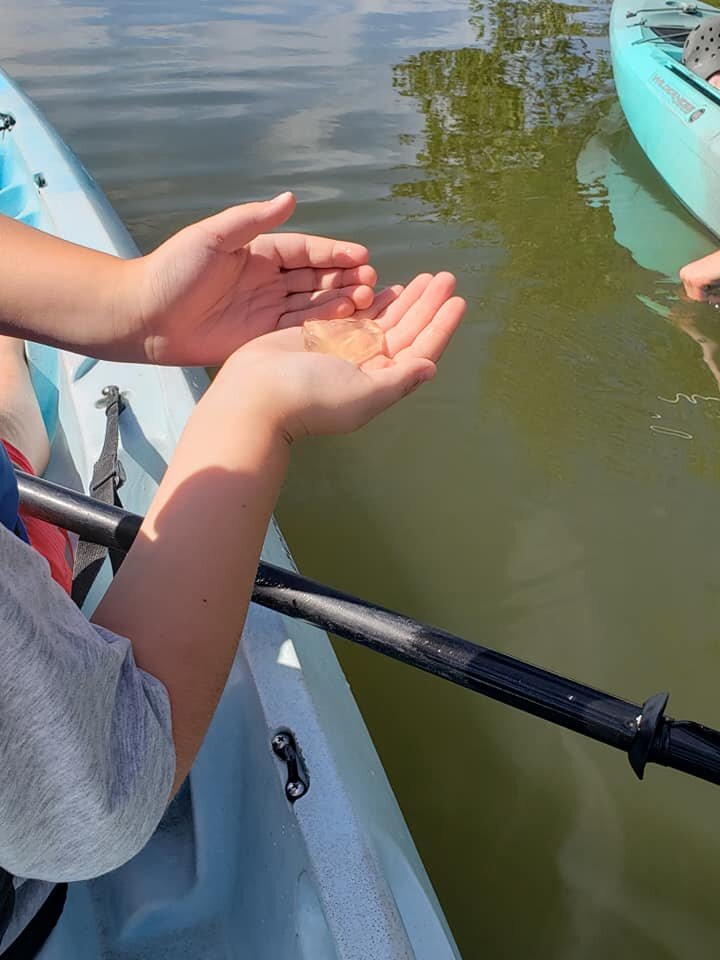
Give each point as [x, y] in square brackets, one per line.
[86, 752]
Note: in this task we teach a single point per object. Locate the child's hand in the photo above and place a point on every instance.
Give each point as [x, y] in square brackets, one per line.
[305, 394]
[220, 283]
[184, 610]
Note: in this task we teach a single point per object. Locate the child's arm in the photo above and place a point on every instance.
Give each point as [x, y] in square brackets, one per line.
[182, 593]
[202, 294]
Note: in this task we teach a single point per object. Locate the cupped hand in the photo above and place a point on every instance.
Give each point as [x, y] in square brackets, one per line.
[223, 281]
[307, 394]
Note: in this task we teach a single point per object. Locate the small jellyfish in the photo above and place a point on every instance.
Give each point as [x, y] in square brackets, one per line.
[349, 339]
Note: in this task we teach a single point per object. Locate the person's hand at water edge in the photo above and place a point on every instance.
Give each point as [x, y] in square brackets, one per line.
[700, 277]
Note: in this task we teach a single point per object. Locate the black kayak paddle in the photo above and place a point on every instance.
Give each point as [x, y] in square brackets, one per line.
[644, 732]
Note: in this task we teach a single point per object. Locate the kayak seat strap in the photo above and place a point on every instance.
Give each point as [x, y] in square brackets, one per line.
[29, 943]
[107, 478]
[7, 900]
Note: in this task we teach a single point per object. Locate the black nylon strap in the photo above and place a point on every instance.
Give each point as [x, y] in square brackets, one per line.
[108, 475]
[28, 944]
[7, 900]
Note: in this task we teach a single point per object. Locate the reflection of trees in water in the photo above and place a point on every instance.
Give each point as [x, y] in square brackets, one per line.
[504, 122]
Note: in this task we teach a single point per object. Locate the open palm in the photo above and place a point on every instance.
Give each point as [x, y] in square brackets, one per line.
[316, 393]
[221, 282]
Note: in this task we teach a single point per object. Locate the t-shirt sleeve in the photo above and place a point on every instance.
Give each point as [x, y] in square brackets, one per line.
[86, 752]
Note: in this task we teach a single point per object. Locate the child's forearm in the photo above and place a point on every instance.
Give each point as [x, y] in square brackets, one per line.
[182, 594]
[60, 293]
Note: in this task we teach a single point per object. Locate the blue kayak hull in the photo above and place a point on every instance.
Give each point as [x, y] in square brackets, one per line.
[674, 115]
[234, 870]
[659, 232]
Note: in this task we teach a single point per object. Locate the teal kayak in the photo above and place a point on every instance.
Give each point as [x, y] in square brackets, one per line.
[673, 113]
[236, 869]
[613, 172]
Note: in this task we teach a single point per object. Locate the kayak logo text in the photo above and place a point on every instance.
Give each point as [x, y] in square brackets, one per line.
[677, 98]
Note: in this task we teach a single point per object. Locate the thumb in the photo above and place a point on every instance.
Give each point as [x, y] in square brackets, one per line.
[233, 228]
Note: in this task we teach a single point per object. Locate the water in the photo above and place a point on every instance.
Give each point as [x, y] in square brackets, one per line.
[554, 493]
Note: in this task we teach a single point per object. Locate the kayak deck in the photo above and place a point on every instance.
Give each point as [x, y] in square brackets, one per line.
[235, 869]
[18, 199]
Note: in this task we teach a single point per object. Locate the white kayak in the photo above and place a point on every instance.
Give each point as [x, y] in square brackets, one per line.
[236, 869]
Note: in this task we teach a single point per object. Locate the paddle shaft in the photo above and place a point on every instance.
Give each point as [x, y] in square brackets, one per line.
[643, 732]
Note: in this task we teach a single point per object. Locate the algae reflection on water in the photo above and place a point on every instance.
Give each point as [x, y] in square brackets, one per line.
[504, 123]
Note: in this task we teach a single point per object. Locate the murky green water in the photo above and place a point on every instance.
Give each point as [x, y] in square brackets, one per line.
[554, 493]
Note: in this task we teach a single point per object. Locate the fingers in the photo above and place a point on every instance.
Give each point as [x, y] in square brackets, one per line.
[419, 320]
[700, 277]
[693, 290]
[407, 297]
[349, 301]
[309, 279]
[419, 314]
[325, 304]
[359, 296]
[380, 303]
[231, 229]
[295, 250]
[430, 343]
